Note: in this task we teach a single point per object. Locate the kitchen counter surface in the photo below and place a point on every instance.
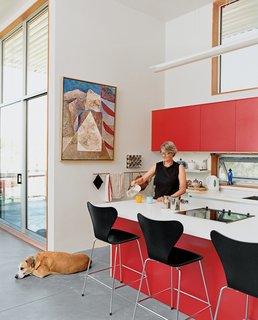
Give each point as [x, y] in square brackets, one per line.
[227, 194]
[245, 230]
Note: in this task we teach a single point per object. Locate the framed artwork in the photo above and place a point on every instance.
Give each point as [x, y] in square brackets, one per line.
[88, 120]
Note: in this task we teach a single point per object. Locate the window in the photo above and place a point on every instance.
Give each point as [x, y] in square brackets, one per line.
[12, 66]
[244, 169]
[37, 55]
[234, 20]
[23, 123]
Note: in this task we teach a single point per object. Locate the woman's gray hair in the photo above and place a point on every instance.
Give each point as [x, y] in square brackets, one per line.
[168, 146]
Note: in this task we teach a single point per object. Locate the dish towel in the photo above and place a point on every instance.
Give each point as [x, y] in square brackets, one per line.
[118, 185]
[98, 181]
[108, 189]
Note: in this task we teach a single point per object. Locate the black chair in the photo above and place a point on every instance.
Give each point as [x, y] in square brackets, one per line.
[239, 260]
[103, 219]
[160, 238]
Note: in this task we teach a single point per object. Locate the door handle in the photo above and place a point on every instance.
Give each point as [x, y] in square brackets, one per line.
[19, 178]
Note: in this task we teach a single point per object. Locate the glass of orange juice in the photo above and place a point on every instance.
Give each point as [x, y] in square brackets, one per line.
[138, 198]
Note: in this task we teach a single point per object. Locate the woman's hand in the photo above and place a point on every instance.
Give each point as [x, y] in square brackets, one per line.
[133, 183]
[160, 199]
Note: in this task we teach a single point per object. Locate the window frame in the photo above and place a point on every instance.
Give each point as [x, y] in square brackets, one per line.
[238, 182]
[39, 6]
[215, 62]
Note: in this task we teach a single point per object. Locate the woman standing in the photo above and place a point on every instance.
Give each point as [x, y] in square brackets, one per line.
[170, 177]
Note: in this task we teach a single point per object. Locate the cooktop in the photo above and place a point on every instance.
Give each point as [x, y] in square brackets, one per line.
[217, 215]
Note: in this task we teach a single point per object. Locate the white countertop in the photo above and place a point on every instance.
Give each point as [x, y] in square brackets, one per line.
[227, 194]
[245, 230]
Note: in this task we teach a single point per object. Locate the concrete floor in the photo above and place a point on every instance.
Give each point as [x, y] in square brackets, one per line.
[58, 297]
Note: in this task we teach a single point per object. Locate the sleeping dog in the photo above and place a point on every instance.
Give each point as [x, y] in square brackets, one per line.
[47, 262]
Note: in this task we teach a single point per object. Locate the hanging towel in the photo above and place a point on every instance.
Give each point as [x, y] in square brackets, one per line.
[108, 189]
[98, 181]
[118, 185]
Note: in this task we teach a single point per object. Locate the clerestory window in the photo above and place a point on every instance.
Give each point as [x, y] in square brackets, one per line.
[233, 21]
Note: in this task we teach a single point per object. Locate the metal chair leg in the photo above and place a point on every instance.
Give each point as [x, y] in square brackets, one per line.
[218, 304]
[140, 252]
[113, 282]
[246, 307]
[120, 262]
[88, 268]
[171, 289]
[178, 293]
[205, 288]
[139, 289]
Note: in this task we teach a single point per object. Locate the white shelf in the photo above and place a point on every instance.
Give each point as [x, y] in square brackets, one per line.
[197, 171]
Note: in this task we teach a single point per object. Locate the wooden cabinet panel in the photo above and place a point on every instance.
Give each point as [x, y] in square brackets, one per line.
[247, 125]
[180, 125]
[218, 126]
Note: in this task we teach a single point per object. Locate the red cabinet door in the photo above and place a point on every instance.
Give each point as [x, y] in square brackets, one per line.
[218, 126]
[247, 125]
[180, 125]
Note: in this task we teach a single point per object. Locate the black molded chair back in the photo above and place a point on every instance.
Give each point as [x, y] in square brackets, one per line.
[240, 262]
[160, 237]
[103, 219]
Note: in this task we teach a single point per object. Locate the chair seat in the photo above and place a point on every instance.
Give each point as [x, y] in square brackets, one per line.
[119, 236]
[180, 257]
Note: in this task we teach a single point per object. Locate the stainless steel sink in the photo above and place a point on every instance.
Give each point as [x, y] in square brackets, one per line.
[251, 198]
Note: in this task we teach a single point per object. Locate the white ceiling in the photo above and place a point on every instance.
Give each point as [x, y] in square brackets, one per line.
[164, 10]
[11, 9]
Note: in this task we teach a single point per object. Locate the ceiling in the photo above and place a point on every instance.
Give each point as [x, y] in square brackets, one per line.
[163, 10]
[8, 8]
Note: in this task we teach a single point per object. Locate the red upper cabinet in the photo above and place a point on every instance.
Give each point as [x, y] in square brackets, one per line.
[180, 125]
[247, 125]
[218, 126]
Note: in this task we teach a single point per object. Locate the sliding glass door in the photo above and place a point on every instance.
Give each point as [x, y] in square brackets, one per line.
[11, 164]
[36, 165]
[23, 125]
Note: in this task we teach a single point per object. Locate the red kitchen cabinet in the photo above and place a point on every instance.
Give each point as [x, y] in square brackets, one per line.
[218, 126]
[180, 125]
[247, 125]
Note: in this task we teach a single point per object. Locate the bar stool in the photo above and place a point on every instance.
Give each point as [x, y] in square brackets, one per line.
[160, 238]
[103, 219]
[239, 260]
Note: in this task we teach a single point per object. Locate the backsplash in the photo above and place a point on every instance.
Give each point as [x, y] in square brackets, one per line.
[196, 158]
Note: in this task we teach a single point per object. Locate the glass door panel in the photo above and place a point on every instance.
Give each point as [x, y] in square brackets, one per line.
[11, 152]
[36, 165]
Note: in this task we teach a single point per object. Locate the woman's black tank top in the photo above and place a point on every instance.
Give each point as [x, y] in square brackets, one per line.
[166, 180]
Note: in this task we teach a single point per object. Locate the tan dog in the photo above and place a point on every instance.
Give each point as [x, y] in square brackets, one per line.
[47, 262]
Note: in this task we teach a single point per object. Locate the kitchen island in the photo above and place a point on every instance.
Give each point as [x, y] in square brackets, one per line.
[196, 238]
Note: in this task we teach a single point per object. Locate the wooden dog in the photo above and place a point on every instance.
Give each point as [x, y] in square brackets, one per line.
[48, 262]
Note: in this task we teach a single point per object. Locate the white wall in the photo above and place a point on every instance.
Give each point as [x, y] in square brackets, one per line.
[105, 42]
[191, 84]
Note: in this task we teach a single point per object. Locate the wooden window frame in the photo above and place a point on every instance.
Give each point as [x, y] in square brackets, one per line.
[3, 34]
[215, 62]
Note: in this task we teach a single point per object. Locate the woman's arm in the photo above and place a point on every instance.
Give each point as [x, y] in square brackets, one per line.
[182, 182]
[146, 177]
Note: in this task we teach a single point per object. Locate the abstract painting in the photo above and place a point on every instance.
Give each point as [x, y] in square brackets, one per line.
[88, 120]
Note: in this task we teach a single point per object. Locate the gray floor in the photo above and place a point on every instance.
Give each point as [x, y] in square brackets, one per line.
[58, 297]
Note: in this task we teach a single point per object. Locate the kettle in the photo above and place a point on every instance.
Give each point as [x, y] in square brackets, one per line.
[212, 183]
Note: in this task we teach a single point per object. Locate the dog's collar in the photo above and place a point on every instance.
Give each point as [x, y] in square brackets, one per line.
[33, 262]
